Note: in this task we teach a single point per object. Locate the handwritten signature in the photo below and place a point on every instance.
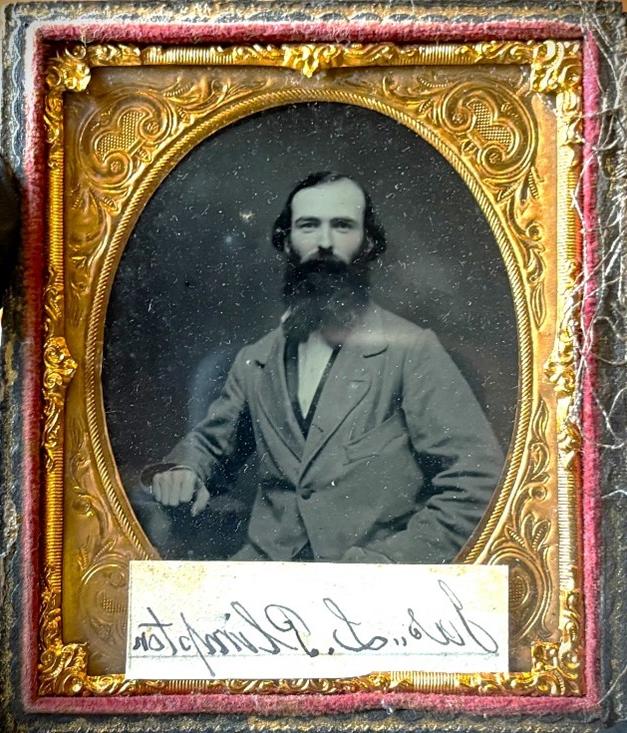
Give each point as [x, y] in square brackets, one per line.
[281, 629]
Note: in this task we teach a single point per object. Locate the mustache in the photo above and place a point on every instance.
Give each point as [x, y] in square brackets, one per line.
[323, 275]
[315, 276]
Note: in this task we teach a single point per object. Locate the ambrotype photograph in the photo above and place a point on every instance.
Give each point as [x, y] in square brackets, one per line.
[323, 282]
[311, 303]
[310, 347]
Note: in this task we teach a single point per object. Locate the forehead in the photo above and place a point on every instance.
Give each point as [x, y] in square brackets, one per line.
[334, 199]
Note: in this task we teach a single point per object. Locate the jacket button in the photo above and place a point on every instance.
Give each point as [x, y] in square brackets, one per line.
[306, 493]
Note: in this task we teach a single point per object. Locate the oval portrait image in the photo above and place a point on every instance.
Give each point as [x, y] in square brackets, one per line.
[310, 347]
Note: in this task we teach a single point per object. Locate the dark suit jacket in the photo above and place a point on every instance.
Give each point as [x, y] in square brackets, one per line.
[399, 463]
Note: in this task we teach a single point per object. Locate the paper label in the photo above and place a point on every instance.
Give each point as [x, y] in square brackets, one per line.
[269, 620]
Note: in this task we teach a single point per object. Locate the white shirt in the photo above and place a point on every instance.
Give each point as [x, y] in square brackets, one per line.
[313, 357]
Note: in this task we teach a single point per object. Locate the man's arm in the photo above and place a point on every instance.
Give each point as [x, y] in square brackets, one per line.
[457, 452]
[214, 442]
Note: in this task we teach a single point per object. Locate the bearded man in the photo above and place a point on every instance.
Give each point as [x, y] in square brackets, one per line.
[371, 445]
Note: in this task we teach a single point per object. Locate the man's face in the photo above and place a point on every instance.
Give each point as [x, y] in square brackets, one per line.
[328, 219]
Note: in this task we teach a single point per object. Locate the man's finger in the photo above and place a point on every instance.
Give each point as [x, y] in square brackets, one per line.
[173, 490]
[187, 486]
[163, 487]
[202, 497]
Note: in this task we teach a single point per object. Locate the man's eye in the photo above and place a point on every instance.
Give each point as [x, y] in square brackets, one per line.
[343, 226]
[307, 226]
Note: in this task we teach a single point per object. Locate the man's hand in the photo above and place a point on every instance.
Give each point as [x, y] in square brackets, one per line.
[179, 486]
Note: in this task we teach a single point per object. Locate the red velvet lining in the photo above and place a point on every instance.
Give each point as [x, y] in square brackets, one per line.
[591, 500]
[34, 232]
[33, 235]
[361, 31]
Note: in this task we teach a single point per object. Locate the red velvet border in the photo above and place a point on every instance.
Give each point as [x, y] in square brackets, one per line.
[33, 237]
[320, 31]
[591, 499]
[34, 231]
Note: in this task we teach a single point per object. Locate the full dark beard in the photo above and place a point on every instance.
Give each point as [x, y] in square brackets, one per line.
[324, 293]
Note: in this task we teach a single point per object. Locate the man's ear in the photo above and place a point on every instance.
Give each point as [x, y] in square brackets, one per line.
[367, 247]
[287, 244]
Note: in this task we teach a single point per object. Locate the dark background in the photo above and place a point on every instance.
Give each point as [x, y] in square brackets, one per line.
[199, 279]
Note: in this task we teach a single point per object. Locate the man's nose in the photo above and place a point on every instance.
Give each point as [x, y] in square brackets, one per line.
[325, 240]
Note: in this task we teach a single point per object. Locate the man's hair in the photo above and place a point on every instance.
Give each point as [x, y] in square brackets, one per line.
[374, 234]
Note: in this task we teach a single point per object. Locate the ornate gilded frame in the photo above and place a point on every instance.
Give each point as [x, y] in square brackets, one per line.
[511, 128]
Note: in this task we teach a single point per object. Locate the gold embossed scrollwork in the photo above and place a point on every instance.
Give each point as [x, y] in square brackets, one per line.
[312, 58]
[491, 127]
[57, 661]
[118, 143]
[308, 59]
[53, 302]
[59, 368]
[495, 134]
[555, 66]
[100, 559]
[63, 667]
[113, 54]
[115, 145]
[379, 682]
[68, 71]
[555, 667]
[560, 371]
[557, 69]
[524, 543]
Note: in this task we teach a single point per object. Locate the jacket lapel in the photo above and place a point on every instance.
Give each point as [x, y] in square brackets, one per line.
[347, 384]
[274, 399]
